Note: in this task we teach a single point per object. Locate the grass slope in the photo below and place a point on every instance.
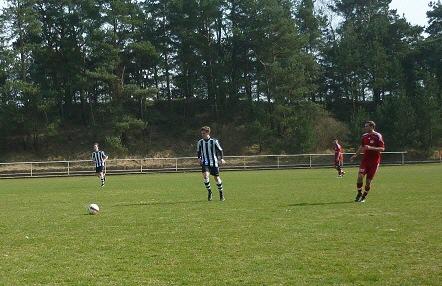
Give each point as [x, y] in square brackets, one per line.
[292, 227]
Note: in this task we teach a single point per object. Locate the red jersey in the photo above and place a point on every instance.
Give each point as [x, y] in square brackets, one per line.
[373, 139]
[338, 152]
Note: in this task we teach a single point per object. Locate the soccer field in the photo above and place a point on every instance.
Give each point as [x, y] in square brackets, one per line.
[289, 227]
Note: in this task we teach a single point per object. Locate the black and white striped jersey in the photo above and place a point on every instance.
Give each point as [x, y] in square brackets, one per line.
[98, 158]
[209, 151]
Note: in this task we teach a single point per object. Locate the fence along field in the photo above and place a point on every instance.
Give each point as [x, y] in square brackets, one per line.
[188, 164]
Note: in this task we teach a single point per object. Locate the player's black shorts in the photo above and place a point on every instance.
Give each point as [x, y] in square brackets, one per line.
[99, 169]
[214, 171]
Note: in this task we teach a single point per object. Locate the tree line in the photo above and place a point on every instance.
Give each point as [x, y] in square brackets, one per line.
[270, 75]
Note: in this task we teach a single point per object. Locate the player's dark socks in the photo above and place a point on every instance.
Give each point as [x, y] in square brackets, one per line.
[359, 195]
[363, 197]
[359, 188]
[207, 184]
[365, 194]
[209, 190]
[221, 196]
[219, 185]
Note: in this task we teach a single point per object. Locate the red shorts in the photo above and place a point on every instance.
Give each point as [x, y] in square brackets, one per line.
[369, 169]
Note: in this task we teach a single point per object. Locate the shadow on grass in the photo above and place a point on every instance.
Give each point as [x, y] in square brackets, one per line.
[157, 203]
[320, 204]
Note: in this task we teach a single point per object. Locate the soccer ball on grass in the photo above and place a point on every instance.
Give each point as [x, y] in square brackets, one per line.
[93, 209]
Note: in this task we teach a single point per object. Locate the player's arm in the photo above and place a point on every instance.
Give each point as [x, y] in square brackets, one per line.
[372, 148]
[93, 158]
[219, 152]
[358, 152]
[104, 157]
[198, 152]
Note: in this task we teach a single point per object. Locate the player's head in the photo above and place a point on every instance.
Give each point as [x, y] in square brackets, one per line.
[205, 132]
[335, 140]
[369, 126]
[96, 146]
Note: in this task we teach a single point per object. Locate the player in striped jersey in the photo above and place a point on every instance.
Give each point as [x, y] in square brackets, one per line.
[99, 158]
[210, 154]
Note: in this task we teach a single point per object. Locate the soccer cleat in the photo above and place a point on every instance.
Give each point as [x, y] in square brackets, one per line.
[358, 197]
[221, 197]
[102, 184]
[362, 200]
[209, 196]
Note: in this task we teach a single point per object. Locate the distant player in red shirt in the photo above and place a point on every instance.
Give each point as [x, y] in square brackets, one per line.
[339, 158]
[372, 144]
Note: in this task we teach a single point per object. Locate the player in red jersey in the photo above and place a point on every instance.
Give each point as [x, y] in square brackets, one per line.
[339, 158]
[372, 144]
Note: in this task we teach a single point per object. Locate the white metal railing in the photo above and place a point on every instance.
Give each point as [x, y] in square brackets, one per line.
[183, 164]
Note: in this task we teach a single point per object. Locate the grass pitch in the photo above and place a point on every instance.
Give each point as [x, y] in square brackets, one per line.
[291, 227]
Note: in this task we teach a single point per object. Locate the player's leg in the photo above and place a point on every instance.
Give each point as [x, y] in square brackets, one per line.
[98, 171]
[371, 172]
[219, 184]
[214, 171]
[341, 166]
[338, 168]
[366, 189]
[101, 176]
[359, 184]
[206, 181]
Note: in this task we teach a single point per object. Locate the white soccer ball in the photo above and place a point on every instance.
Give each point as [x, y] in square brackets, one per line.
[93, 209]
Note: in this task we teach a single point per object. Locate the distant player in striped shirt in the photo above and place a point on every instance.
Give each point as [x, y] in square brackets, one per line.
[99, 158]
[209, 154]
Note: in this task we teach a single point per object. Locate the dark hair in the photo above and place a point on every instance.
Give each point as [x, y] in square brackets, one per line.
[205, 128]
[371, 124]
[96, 144]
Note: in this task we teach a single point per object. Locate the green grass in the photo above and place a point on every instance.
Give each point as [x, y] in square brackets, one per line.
[291, 227]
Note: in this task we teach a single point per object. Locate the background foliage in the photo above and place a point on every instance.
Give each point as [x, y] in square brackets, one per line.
[279, 76]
